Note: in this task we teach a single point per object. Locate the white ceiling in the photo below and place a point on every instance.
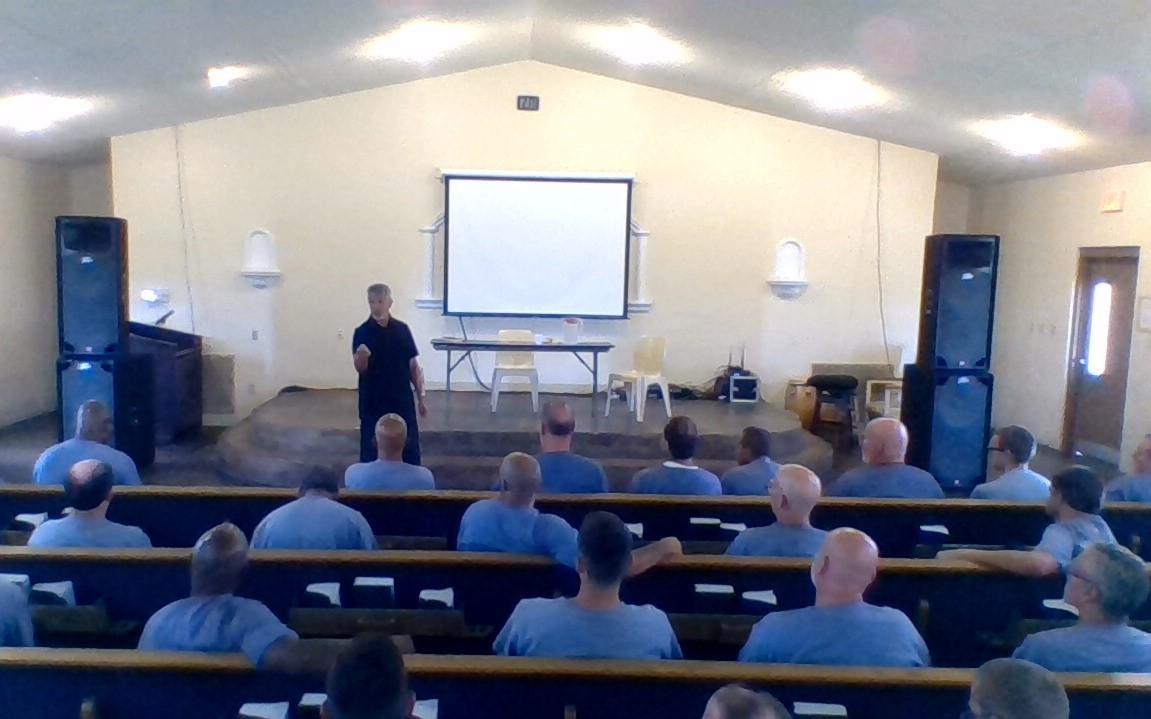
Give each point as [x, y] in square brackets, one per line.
[1085, 63]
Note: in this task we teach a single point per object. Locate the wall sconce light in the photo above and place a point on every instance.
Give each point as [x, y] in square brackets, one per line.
[789, 281]
[260, 266]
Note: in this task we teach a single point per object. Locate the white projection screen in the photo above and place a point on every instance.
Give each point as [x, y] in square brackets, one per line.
[528, 246]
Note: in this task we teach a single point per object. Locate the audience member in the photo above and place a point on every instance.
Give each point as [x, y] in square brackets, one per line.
[368, 681]
[1074, 504]
[840, 629]
[15, 617]
[884, 473]
[1010, 451]
[794, 493]
[1135, 487]
[389, 471]
[594, 624]
[88, 492]
[315, 520]
[1015, 689]
[756, 469]
[1106, 584]
[564, 471]
[94, 432]
[736, 702]
[511, 523]
[680, 475]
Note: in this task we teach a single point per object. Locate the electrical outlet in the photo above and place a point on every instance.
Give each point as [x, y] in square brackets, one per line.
[251, 388]
[339, 334]
[255, 335]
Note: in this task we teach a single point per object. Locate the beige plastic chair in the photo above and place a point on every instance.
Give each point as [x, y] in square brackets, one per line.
[516, 365]
[648, 362]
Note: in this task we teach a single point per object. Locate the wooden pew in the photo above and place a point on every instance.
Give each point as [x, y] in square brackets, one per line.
[35, 684]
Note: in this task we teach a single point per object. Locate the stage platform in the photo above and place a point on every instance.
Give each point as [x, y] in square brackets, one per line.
[463, 441]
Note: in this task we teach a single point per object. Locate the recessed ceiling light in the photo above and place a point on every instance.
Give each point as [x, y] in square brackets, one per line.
[224, 76]
[32, 112]
[419, 41]
[832, 89]
[1027, 134]
[637, 44]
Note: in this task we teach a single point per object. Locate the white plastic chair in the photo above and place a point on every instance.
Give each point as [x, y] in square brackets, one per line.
[516, 365]
[648, 362]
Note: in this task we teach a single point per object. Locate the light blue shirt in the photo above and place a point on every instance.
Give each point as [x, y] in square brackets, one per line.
[1018, 485]
[80, 531]
[1084, 648]
[219, 624]
[53, 465]
[314, 522]
[570, 473]
[388, 475]
[15, 617]
[858, 634]
[777, 540]
[893, 481]
[1131, 488]
[489, 525]
[752, 478]
[1066, 540]
[560, 628]
[675, 478]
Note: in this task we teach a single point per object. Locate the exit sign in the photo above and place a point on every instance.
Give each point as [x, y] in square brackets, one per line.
[531, 103]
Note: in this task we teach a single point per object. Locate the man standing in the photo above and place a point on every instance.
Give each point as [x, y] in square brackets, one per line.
[1011, 450]
[384, 354]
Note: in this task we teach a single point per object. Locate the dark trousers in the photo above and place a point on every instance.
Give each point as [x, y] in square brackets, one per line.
[368, 451]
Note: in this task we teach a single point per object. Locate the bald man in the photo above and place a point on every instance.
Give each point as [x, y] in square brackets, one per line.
[94, 434]
[841, 629]
[736, 702]
[316, 520]
[756, 469]
[884, 473]
[1135, 487]
[680, 474]
[389, 472]
[794, 493]
[88, 492]
[1016, 689]
[564, 471]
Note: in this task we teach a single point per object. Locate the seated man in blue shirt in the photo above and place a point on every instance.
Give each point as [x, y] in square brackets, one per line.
[756, 469]
[94, 431]
[1076, 498]
[884, 474]
[1016, 689]
[680, 475]
[794, 493]
[368, 681]
[594, 624]
[1106, 584]
[1135, 487]
[736, 702]
[15, 617]
[88, 492]
[840, 629]
[389, 471]
[315, 520]
[1010, 452]
[564, 471]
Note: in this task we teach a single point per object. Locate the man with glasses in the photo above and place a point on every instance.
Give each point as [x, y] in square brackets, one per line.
[1016, 689]
[1106, 584]
[1009, 454]
[1135, 487]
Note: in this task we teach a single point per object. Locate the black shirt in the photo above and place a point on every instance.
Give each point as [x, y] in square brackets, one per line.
[387, 385]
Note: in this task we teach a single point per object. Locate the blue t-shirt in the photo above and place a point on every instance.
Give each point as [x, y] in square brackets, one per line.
[570, 473]
[217, 624]
[388, 475]
[1084, 648]
[15, 617]
[777, 540]
[1066, 540]
[1018, 485]
[1132, 488]
[80, 531]
[893, 481]
[314, 522]
[560, 628]
[752, 478]
[675, 478]
[489, 525]
[858, 634]
[53, 465]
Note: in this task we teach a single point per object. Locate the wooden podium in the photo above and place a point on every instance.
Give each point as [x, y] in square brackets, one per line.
[177, 359]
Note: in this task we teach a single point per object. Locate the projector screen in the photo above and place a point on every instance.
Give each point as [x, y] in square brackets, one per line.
[536, 246]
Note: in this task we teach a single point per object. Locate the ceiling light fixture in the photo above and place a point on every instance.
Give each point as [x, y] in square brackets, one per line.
[832, 89]
[1027, 135]
[419, 41]
[219, 77]
[637, 44]
[32, 112]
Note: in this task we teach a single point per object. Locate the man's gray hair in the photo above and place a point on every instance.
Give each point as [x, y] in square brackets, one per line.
[379, 290]
[90, 418]
[737, 702]
[1018, 689]
[1122, 580]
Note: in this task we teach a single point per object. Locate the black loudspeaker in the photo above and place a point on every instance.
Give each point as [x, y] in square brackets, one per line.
[92, 284]
[958, 302]
[126, 384]
[948, 416]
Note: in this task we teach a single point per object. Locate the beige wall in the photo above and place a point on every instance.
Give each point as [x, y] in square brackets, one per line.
[952, 208]
[90, 189]
[1043, 224]
[346, 182]
[31, 195]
